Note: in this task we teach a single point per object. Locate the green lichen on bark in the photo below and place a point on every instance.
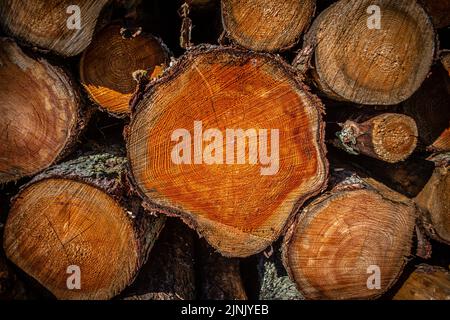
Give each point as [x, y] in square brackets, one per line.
[97, 166]
[104, 171]
[275, 283]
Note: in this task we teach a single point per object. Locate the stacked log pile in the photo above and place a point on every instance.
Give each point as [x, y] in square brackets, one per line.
[149, 149]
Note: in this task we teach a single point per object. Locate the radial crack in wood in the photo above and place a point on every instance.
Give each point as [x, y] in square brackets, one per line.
[237, 193]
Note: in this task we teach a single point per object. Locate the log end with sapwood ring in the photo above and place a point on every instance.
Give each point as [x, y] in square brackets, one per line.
[390, 137]
[352, 242]
[108, 64]
[40, 113]
[77, 232]
[426, 283]
[263, 25]
[360, 58]
[64, 27]
[434, 200]
[186, 160]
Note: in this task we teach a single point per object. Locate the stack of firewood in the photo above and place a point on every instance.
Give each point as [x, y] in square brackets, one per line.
[232, 149]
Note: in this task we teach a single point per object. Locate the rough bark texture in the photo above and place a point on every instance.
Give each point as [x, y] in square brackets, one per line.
[263, 25]
[434, 200]
[44, 23]
[426, 283]
[339, 237]
[41, 113]
[169, 273]
[388, 137]
[217, 197]
[108, 65]
[81, 213]
[430, 109]
[371, 66]
[219, 277]
[274, 282]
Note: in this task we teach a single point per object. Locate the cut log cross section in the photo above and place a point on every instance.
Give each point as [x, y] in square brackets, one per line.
[222, 186]
[40, 113]
[367, 63]
[62, 26]
[73, 230]
[389, 137]
[263, 25]
[108, 64]
[357, 230]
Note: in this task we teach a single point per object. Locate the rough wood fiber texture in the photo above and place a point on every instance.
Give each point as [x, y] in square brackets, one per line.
[389, 137]
[80, 213]
[369, 66]
[359, 223]
[41, 113]
[169, 273]
[108, 64]
[274, 282]
[219, 277]
[43, 23]
[430, 108]
[434, 200]
[439, 11]
[426, 283]
[263, 25]
[239, 206]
